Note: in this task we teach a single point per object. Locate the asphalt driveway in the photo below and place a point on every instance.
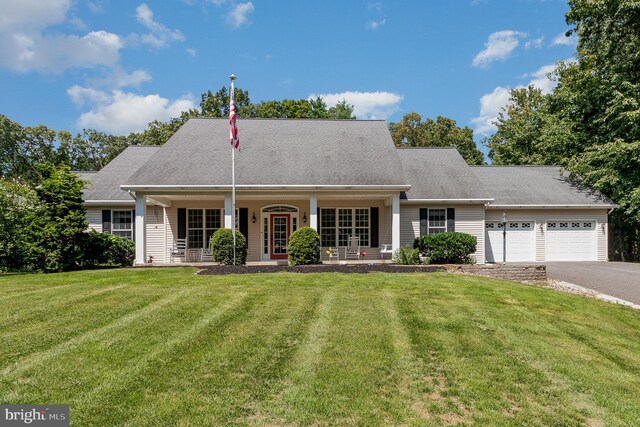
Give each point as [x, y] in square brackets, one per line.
[619, 279]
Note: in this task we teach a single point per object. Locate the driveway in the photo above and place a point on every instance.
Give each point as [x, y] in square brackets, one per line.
[618, 279]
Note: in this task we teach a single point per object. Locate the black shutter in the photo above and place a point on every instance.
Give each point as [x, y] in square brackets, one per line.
[424, 218]
[243, 213]
[374, 227]
[451, 219]
[318, 221]
[182, 223]
[106, 221]
[133, 225]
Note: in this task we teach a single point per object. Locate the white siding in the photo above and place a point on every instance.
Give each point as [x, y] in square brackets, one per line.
[94, 217]
[155, 233]
[541, 216]
[469, 219]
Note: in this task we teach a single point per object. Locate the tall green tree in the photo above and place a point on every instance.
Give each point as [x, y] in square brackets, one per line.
[412, 131]
[57, 230]
[18, 205]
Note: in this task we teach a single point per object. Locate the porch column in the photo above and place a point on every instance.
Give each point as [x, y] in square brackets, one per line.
[395, 222]
[227, 211]
[313, 214]
[141, 230]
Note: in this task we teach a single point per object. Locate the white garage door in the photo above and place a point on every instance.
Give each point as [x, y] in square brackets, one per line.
[571, 241]
[520, 241]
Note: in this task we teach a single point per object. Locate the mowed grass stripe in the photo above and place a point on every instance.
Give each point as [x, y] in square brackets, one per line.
[19, 314]
[237, 370]
[39, 358]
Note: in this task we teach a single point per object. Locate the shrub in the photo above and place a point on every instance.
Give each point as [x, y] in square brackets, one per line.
[304, 247]
[222, 247]
[447, 248]
[404, 255]
[107, 249]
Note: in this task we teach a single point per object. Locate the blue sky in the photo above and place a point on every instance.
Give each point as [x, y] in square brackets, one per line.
[116, 65]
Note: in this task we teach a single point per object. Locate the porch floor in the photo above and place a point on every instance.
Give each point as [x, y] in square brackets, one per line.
[272, 262]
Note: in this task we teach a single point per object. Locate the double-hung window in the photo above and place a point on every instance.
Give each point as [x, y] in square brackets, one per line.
[338, 224]
[201, 224]
[437, 221]
[122, 224]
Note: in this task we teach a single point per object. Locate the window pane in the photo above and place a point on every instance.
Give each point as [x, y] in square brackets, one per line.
[328, 237]
[362, 217]
[437, 218]
[343, 236]
[207, 238]
[194, 218]
[327, 218]
[265, 235]
[363, 234]
[121, 220]
[125, 234]
[213, 218]
[195, 238]
[344, 217]
[436, 230]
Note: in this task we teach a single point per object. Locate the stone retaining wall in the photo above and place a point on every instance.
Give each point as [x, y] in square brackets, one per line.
[519, 273]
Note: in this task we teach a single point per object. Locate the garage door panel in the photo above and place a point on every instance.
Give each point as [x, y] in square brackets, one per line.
[571, 241]
[520, 241]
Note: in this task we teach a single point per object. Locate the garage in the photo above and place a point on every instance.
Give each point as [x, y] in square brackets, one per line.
[520, 241]
[571, 241]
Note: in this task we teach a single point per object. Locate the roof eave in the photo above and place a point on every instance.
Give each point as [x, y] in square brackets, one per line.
[109, 202]
[439, 201]
[262, 187]
[554, 206]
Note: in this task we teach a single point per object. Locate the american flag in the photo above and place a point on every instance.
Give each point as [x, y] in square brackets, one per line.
[234, 140]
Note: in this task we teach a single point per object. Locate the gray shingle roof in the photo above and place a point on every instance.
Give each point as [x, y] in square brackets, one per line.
[534, 185]
[275, 152]
[439, 173]
[105, 184]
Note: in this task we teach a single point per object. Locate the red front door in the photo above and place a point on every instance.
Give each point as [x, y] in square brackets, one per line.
[280, 228]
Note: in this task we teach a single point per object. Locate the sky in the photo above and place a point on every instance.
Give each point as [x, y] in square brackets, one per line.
[114, 65]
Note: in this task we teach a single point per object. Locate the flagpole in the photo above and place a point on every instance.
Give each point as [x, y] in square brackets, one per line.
[233, 181]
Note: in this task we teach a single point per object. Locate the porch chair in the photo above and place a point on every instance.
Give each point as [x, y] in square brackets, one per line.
[207, 256]
[385, 248]
[353, 248]
[179, 249]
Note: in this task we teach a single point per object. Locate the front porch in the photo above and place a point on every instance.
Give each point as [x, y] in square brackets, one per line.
[166, 222]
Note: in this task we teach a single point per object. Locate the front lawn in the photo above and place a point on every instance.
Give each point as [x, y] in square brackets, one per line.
[166, 347]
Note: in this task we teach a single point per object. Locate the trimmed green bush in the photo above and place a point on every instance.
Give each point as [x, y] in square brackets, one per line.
[102, 249]
[404, 255]
[447, 248]
[304, 247]
[222, 247]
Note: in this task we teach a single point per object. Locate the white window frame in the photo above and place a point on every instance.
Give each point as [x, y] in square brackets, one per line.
[353, 223]
[442, 228]
[204, 228]
[130, 229]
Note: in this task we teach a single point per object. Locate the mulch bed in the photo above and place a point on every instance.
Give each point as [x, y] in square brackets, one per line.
[322, 268]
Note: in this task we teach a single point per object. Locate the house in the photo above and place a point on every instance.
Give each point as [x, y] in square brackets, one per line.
[343, 178]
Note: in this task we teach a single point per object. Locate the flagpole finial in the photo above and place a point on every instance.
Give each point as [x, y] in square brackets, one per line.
[232, 77]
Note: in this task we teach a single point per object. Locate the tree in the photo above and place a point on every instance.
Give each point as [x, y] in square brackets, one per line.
[18, 203]
[57, 230]
[411, 131]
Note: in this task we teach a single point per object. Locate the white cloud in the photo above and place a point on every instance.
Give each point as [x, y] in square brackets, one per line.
[537, 43]
[218, 2]
[562, 40]
[121, 112]
[24, 46]
[55, 53]
[32, 15]
[491, 103]
[160, 36]
[238, 15]
[367, 105]
[191, 51]
[374, 25]
[498, 47]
